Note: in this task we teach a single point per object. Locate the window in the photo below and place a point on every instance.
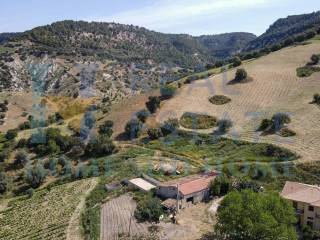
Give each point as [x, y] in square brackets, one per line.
[190, 199]
[310, 224]
[311, 208]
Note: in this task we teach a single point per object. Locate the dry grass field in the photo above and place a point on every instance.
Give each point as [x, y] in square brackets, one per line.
[275, 88]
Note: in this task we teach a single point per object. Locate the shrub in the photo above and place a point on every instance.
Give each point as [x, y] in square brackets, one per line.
[4, 154]
[101, 146]
[24, 125]
[3, 183]
[106, 128]
[315, 59]
[224, 125]
[133, 128]
[154, 133]
[11, 134]
[280, 119]
[170, 126]
[197, 121]
[265, 125]
[220, 186]
[35, 176]
[236, 62]
[286, 132]
[148, 209]
[167, 91]
[21, 159]
[307, 71]
[153, 104]
[316, 98]
[241, 74]
[219, 100]
[143, 115]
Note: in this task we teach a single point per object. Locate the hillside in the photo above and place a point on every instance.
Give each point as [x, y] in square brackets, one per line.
[286, 28]
[120, 60]
[275, 88]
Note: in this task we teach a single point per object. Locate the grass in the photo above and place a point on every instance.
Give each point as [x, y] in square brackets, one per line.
[197, 121]
[5, 49]
[43, 216]
[219, 100]
[307, 71]
[217, 151]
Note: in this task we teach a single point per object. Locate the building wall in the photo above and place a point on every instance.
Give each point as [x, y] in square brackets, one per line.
[308, 216]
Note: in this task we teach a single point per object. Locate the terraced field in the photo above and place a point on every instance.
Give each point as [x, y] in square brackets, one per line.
[275, 88]
[46, 215]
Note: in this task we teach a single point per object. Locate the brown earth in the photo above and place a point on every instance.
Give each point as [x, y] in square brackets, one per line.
[275, 88]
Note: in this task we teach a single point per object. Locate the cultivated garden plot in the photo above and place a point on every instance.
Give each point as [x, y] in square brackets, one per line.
[45, 215]
[117, 218]
[275, 88]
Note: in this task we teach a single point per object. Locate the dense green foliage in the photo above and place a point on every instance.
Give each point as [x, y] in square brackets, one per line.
[218, 151]
[220, 186]
[133, 128]
[35, 176]
[143, 115]
[307, 71]
[149, 208]
[287, 30]
[250, 216]
[153, 104]
[224, 125]
[170, 126]
[100, 146]
[167, 91]
[197, 121]
[106, 128]
[276, 124]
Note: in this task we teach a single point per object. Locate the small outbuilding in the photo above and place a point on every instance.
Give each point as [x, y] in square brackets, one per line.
[141, 184]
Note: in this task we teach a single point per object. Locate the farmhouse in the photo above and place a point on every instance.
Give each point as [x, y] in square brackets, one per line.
[306, 201]
[186, 191]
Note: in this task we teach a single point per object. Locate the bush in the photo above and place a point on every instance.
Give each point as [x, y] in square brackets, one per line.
[307, 71]
[286, 132]
[315, 59]
[35, 176]
[220, 186]
[279, 120]
[133, 128]
[241, 77]
[11, 134]
[154, 133]
[24, 125]
[236, 62]
[148, 209]
[316, 98]
[265, 125]
[167, 91]
[143, 115]
[170, 126]
[101, 146]
[224, 125]
[3, 183]
[106, 128]
[219, 100]
[4, 154]
[197, 121]
[153, 104]
[21, 159]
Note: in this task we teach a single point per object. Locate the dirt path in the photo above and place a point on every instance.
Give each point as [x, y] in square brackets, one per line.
[74, 230]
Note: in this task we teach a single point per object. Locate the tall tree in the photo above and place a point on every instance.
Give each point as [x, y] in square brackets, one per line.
[247, 215]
